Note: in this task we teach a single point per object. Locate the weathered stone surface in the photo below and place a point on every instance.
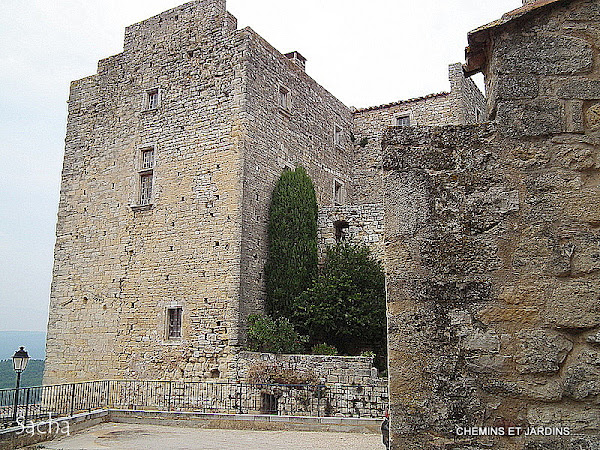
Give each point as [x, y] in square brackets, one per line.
[546, 390]
[574, 304]
[481, 341]
[582, 380]
[541, 351]
[531, 118]
[592, 117]
[488, 363]
[515, 86]
[594, 338]
[544, 54]
[579, 88]
[579, 420]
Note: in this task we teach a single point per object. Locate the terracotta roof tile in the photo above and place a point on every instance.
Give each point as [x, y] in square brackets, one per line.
[401, 102]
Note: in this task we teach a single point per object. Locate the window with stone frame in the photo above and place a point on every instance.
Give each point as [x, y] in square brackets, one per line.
[338, 192]
[152, 98]
[338, 133]
[284, 98]
[146, 175]
[403, 120]
[174, 322]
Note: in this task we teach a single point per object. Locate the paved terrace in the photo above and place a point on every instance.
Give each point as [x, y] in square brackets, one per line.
[143, 436]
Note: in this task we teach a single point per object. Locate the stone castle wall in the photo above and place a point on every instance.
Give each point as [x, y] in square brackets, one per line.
[350, 382]
[364, 227]
[492, 250]
[279, 138]
[118, 265]
[221, 139]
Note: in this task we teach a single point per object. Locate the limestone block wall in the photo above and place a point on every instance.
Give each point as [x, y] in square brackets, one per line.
[547, 83]
[365, 226]
[119, 265]
[276, 138]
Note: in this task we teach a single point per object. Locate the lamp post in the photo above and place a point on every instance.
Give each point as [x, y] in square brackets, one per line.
[20, 360]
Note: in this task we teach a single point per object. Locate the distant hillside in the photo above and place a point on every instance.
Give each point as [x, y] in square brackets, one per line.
[33, 341]
[31, 377]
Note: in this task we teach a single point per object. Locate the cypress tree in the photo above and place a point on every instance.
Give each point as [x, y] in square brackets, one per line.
[292, 260]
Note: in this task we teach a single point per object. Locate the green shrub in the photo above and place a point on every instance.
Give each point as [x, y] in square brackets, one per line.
[273, 336]
[292, 232]
[345, 306]
[323, 349]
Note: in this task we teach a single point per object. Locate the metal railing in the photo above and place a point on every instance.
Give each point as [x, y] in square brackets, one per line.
[36, 403]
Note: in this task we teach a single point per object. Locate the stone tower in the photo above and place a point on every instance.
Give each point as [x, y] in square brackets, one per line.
[172, 151]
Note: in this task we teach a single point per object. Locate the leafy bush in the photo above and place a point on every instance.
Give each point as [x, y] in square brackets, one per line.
[368, 354]
[273, 336]
[292, 259]
[323, 349]
[345, 306]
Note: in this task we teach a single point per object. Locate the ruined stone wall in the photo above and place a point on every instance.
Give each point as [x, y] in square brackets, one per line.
[118, 265]
[492, 251]
[455, 107]
[365, 227]
[277, 138]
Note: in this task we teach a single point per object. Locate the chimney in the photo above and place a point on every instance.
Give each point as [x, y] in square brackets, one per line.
[298, 59]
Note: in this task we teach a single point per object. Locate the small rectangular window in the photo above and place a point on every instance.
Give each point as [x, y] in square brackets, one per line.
[148, 158]
[403, 121]
[174, 322]
[146, 175]
[152, 99]
[337, 135]
[284, 98]
[145, 189]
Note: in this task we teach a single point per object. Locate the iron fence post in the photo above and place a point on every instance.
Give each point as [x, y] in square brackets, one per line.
[72, 398]
[170, 387]
[27, 404]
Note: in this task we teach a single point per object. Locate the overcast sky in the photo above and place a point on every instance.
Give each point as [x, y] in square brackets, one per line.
[364, 52]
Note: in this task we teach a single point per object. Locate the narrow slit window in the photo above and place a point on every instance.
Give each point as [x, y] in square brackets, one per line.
[174, 323]
[284, 98]
[337, 192]
[337, 135]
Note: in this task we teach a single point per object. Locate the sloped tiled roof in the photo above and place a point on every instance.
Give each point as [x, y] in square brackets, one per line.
[401, 102]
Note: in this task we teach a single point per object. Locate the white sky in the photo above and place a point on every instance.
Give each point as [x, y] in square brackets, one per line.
[364, 52]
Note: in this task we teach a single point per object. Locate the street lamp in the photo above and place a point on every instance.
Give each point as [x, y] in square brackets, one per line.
[20, 360]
